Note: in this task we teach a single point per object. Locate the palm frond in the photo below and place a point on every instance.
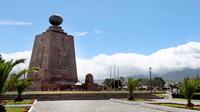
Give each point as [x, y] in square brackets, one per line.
[5, 69]
[189, 87]
[22, 84]
[132, 84]
[19, 61]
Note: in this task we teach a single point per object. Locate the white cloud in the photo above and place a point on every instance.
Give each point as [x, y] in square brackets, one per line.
[13, 22]
[80, 34]
[97, 31]
[18, 55]
[162, 61]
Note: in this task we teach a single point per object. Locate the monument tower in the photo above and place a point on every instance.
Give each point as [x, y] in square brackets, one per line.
[53, 52]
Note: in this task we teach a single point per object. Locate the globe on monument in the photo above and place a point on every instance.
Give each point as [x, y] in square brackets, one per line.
[55, 20]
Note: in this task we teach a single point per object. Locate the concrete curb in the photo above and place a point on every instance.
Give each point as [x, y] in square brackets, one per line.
[32, 107]
[152, 106]
[174, 101]
[165, 108]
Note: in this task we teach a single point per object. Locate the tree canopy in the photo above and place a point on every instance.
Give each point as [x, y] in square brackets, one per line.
[158, 82]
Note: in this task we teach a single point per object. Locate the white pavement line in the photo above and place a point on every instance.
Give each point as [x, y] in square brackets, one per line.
[32, 107]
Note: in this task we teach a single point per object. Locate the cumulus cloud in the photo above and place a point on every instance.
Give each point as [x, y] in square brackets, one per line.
[18, 55]
[162, 61]
[14, 22]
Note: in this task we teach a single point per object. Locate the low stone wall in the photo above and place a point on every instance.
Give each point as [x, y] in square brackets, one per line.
[79, 96]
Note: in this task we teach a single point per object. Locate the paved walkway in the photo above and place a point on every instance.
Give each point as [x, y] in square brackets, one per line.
[89, 106]
[156, 107]
[112, 105]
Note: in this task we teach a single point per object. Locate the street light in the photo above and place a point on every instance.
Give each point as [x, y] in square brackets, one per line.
[114, 78]
[110, 78]
[150, 81]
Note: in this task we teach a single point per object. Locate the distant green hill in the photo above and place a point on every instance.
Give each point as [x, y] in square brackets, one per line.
[175, 75]
[138, 76]
[180, 75]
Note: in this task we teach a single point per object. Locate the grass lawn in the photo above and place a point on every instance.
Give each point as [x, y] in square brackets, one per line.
[12, 102]
[160, 95]
[175, 105]
[18, 109]
[185, 100]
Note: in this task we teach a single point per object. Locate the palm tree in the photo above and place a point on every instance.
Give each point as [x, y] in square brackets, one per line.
[20, 84]
[5, 69]
[189, 86]
[132, 84]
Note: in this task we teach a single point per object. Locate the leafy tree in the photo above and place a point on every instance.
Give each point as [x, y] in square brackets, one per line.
[132, 84]
[158, 82]
[145, 82]
[107, 82]
[188, 89]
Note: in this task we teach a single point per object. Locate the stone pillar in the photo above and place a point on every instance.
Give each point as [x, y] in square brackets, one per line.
[89, 83]
[54, 53]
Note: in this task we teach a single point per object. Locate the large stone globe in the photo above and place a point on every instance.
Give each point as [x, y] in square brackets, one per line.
[55, 20]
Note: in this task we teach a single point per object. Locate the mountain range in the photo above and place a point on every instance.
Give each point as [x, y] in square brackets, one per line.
[174, 75]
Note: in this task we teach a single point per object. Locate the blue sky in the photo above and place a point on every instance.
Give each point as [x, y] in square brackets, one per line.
[102, 26]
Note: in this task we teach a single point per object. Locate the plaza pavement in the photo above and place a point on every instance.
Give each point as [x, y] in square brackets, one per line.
[88, 106]
[100, 106]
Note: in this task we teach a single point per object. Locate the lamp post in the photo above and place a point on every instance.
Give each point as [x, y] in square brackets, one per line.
[150, 81]
[110, 78]
[114, 78]
[118, 80]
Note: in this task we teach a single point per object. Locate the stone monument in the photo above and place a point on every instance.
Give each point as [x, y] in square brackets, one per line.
[90, 85]
[54, 53]
[89, 79]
